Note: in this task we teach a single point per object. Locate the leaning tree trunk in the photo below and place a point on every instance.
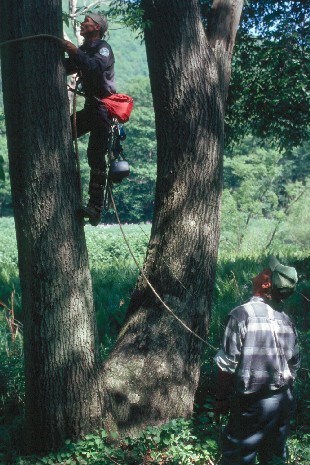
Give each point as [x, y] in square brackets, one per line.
[152, 374]
[58, 315]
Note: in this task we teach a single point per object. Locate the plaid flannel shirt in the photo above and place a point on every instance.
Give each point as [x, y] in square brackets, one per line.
[260, 347]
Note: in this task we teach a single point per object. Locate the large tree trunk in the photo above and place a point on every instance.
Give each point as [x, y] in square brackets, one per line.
[59, 326]
[152, 374]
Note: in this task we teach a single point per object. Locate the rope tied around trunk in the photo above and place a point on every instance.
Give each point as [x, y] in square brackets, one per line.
[37, 36]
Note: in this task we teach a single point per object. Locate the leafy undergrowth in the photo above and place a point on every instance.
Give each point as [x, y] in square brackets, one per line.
[180, 442]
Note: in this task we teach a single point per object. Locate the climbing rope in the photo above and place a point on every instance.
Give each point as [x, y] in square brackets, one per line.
[76, 147]
[167, 265]
[150, 285]
[38, 36]
[169, 310]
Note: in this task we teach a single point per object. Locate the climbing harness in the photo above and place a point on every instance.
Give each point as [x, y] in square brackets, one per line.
[117, 166]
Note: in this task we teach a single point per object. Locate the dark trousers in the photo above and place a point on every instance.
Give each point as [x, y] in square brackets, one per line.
[94, 119]
[257, 427]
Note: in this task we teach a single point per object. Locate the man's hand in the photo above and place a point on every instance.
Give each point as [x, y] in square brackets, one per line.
[69, 47]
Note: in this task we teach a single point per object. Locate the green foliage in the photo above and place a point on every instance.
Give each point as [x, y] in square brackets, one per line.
[12, 386]
[269, 92]
[114, 274]
[179, 442]
[9, 276]
[275, 19]
[11, 367]
[130, 13]
[130, 60]
[258, 186]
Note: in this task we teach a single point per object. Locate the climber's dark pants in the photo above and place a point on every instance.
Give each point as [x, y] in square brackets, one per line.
[257, 427]
[94, 119]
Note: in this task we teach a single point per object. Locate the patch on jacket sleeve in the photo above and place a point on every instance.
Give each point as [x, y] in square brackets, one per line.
[104, 52]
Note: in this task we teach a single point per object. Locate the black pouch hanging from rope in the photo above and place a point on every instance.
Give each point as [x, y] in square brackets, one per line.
[118, 165]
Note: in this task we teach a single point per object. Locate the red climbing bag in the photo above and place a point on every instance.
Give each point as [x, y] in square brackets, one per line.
[119, 106]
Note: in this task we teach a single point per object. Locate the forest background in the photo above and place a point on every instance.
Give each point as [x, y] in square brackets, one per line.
[264, 211]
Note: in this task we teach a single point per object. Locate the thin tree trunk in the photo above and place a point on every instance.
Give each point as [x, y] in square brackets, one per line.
[79, 39]
[153, 372]
[62, 397]
[286, 212]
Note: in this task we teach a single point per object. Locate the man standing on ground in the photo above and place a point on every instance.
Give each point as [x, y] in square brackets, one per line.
[94, 64]
[257, 366]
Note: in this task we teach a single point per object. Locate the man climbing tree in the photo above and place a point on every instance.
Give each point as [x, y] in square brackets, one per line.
[94, 63]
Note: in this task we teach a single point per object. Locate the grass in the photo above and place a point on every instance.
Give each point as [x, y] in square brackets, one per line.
[114, 275]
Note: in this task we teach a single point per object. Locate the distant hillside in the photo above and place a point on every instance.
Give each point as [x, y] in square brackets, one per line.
[130, 57]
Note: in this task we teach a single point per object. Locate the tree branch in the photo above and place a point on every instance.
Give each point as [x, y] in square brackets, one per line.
[89, 7]
[223, 23]
[286, 213]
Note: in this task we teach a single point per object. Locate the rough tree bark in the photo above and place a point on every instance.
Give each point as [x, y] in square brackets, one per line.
[62, 396]
[152, 374]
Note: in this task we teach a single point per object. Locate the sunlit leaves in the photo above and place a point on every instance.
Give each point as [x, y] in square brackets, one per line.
[269, 92]
[130, 13]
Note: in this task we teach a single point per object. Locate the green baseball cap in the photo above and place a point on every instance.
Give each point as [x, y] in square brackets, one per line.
[101, 20]
[283, 277]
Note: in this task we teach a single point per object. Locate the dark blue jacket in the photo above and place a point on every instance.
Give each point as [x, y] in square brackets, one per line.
[94, 63]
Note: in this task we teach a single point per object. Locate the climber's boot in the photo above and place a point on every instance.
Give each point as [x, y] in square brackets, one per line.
[92, 213]
[96, 192]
